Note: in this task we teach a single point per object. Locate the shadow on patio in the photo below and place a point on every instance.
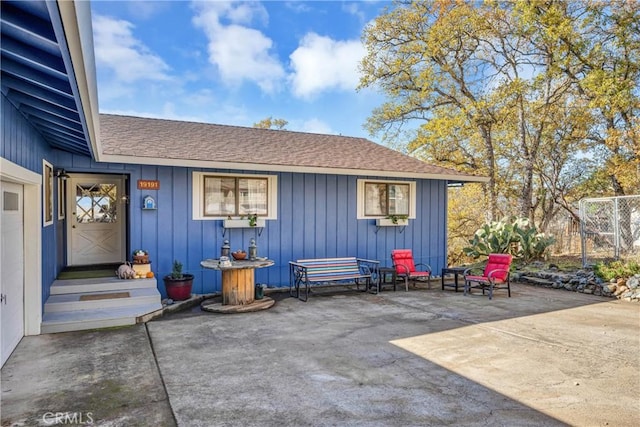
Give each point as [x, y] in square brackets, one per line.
[426, 357]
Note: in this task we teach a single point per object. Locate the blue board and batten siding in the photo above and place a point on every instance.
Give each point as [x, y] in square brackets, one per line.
[316, 219]
[24, 146]
[316, 216]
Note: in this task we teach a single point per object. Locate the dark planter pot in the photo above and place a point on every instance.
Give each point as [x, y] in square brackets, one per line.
[178, 289]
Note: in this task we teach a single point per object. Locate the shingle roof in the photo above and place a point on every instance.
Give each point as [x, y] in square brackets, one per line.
[160, 141]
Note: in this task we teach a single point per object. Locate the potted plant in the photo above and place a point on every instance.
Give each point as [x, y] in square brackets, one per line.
[398, 219]
[253, 220]
[393, 220]
[250, 221]
[140, 256]
[178, 284]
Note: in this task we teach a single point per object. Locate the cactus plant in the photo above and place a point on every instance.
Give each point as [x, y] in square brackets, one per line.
[511, 235]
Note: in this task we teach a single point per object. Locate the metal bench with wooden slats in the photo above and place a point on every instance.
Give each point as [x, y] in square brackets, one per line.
[326, 271]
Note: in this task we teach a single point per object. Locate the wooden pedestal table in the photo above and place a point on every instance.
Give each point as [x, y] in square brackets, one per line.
[238, 287]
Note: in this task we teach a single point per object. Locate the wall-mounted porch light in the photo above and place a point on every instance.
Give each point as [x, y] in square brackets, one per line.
[61, 173]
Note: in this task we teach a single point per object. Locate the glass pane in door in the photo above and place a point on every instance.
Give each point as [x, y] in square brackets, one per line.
[96, 203]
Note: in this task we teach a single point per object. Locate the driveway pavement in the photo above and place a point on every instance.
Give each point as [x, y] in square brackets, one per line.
[426, 357]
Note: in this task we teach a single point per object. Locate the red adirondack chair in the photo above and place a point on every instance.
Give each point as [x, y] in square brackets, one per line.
[406, 268]
[495, 275]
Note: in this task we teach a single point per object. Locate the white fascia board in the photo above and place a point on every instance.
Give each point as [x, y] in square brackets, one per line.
[76, 22]
[137, 160]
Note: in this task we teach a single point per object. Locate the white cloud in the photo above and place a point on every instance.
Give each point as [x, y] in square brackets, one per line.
[118, 51]
[245, 13]
[203, 98]
[298, 7]
[238, 51]
[112, 90]
[146, 9]
[354, 9]
[316, 126]
[321, 63]
[232, 12]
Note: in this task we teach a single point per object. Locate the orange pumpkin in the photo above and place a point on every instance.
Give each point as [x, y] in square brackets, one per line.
[150, 275]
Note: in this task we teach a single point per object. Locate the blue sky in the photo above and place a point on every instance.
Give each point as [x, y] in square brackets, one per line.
[236, 63]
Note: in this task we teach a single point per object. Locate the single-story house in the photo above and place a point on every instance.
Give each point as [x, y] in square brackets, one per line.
[83, 188]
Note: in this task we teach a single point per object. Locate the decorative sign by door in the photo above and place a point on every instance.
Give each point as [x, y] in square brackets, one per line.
[148, 184]
[148, 203]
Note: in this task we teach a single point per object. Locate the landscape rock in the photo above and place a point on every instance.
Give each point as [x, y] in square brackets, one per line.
[583, 281]
[621, 290]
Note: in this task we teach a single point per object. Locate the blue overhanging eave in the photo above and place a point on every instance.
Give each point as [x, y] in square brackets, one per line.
[38, 73]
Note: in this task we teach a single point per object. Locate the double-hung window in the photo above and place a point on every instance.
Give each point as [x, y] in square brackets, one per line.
[219, 196]
[377, 198]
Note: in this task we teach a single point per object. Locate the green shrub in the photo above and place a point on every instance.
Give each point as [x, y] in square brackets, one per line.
[616, 270]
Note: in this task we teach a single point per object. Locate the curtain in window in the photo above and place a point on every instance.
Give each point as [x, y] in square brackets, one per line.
[226, 196]
[382, 199]
[219, 196]
[253, 196]
[375, 199]
[398, 199]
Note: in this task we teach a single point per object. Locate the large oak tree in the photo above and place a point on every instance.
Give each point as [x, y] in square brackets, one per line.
[523, 92]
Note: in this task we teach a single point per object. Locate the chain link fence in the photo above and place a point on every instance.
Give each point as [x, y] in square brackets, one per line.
[565, 228]
[610, 228]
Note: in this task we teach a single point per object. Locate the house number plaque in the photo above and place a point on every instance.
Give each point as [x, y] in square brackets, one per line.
[148, 184]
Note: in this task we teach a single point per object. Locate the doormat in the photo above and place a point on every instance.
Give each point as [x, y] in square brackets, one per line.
[89, 271]
[112, 295]
[93, 267]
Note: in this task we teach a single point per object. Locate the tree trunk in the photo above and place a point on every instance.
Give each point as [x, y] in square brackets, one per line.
[491, 191]
[527, 181]
[626, 237]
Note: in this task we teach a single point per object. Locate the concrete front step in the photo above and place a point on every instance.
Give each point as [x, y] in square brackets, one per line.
[112, 284]
[67, 310]
[101, 300]
[66, 321]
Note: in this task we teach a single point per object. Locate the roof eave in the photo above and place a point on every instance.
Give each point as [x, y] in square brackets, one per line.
[75, 20]
[111, 158]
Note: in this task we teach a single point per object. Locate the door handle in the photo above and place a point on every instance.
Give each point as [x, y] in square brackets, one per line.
[3, 299]
[73, 226]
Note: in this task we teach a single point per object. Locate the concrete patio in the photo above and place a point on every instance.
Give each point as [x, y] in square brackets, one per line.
[426, 357]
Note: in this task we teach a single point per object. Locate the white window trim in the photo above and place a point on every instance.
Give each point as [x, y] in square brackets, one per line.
[47, 181]
[198, 188]
[62, 184]
[361, 197]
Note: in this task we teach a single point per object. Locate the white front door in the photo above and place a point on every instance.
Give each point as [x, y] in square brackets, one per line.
[96, 226]
[12, 267]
